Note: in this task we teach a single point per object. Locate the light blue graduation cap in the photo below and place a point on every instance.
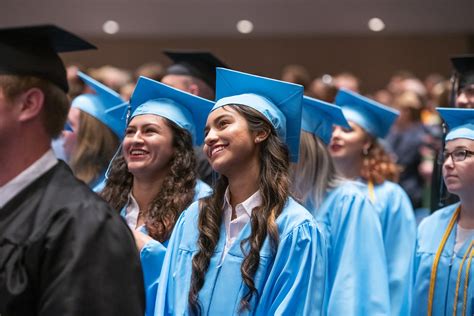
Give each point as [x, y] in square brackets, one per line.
[372, 116]
[460, 122]
[319, 117]
[278, 101]
[186, 110]
[105, 105]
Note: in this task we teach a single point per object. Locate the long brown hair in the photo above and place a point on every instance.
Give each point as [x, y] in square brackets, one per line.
[175, 195]
[274, 188]
[378, 165]
[96, 145]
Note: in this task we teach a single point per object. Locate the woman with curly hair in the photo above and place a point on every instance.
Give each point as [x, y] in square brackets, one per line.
[357, 269]
[249, 248]
[358, 154]
[153, 179]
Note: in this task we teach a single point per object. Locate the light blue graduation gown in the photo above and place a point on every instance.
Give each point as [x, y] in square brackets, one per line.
[430, 233]
[357, 273]
[399, 234]
[153, 253]
[290, 281]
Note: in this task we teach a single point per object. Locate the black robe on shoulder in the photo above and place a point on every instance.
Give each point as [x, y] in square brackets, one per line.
[63, 251]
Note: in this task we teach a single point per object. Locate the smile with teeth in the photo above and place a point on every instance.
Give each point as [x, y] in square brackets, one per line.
[214, 150]
[137, 152]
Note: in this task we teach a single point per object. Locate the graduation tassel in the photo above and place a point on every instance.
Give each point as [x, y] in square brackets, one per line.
[434, 268]
[458, 280]
[466, 283]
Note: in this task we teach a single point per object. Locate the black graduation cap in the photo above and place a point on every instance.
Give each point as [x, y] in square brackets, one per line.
[464, 67]
[33, 50]
[199, 64]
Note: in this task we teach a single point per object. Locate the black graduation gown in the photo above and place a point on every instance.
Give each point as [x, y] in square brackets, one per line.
[63, 251]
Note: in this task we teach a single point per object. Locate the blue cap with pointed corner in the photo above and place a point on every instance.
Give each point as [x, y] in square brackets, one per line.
[104, 105]
[186, 110]
[319, 118]
[280, 102]
[375, 118]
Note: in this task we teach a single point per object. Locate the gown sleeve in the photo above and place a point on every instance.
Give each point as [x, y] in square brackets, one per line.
[151, 257]
[400, 238]
[163, 306]
[297, 275]
[88, 253]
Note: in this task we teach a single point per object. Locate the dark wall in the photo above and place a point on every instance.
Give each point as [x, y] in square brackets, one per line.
[374, 59]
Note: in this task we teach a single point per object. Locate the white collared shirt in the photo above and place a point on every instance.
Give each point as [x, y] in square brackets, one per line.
[132, 212]
[27, 176]
[243, 213]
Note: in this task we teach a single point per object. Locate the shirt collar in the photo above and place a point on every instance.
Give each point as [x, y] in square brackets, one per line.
[246, 206]
[27, 176]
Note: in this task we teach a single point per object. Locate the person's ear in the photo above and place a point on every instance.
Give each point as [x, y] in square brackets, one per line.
[31, 103]
[261, 136]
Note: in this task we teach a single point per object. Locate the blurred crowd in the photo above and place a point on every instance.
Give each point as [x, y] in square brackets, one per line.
[413, 141]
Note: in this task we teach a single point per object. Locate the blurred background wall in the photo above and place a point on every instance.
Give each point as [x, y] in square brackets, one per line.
[372, 58]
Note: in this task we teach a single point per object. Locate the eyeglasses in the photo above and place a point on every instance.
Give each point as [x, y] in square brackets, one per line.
[457, 155]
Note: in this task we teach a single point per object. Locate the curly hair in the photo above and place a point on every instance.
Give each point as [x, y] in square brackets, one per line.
[175, 194]
[378, 165]
[274, 186]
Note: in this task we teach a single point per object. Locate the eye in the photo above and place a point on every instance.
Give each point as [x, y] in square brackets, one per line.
[129, 131]
[459, 154]
[222, 123]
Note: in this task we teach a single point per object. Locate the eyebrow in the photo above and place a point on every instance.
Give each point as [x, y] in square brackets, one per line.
[146, 125]
[457, 147]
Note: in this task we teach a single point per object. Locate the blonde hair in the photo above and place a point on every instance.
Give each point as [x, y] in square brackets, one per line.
[96, 145]
[315, 174]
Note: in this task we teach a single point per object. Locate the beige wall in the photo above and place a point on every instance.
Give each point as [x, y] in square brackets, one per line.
[373, 58]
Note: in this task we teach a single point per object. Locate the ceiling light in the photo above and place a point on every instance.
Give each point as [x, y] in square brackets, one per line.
[244, 26]
[326, 79]
[376, 24]
[111, 27]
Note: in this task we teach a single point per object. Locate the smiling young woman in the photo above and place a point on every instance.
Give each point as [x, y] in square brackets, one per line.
[446, 238]
[249, 247]
[153, 179]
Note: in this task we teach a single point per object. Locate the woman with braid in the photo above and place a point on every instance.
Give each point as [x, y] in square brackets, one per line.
[249, 248]
[153, 179]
